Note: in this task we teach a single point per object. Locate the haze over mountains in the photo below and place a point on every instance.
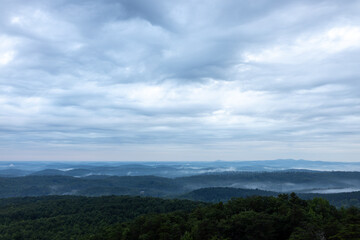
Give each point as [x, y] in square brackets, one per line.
[165, 169]
[205, 181]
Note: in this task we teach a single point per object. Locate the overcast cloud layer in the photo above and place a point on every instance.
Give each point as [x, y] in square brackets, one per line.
[179, 80]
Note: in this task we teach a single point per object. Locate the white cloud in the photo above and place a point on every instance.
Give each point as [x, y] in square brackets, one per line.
[309, 47]
[43, 24]
[7, 49]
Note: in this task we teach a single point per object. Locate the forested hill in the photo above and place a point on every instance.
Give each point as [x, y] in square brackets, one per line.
[260, 218]
[75, 217]
[218, 194]
[217, 187]
[90, 186]
[280, 181]
[134, 218]
[223, 194]
[283, 181]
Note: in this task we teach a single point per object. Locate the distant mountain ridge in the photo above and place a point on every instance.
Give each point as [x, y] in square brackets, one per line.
[173, 179]
[166, 169]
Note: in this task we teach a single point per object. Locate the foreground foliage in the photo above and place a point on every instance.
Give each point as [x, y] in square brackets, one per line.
[224, 194]
[132, 218]
[72, 217]
[272, 218]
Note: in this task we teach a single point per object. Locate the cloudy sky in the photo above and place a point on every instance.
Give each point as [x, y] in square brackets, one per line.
[179, 80]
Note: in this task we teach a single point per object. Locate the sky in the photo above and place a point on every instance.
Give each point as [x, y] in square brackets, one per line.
[195, 80]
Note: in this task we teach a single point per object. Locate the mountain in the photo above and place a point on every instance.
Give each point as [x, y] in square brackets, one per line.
[74, 217]
[279, 181]
[223, 194]
[49, 172]
[167, 169]
[11, 172]
[263, 183]
[220, 194]
[105, 185]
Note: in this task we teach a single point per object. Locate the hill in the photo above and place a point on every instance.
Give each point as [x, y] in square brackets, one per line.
[74, 217]
[132, 218]
[206, 187]
[219, 194]
[92, 186]
[97, 185]
[262, 218]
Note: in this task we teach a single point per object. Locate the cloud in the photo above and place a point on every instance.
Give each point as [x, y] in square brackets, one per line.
[310, 48]
[180, 75]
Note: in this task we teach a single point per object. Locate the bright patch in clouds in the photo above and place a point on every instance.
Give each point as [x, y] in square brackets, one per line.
[179, 80]
[7, 51]
[314, 46]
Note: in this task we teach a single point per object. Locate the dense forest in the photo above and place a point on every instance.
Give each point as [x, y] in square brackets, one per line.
[75, 217]
[129, 218]
[89, 186]
[218, 194]
[270, 218]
